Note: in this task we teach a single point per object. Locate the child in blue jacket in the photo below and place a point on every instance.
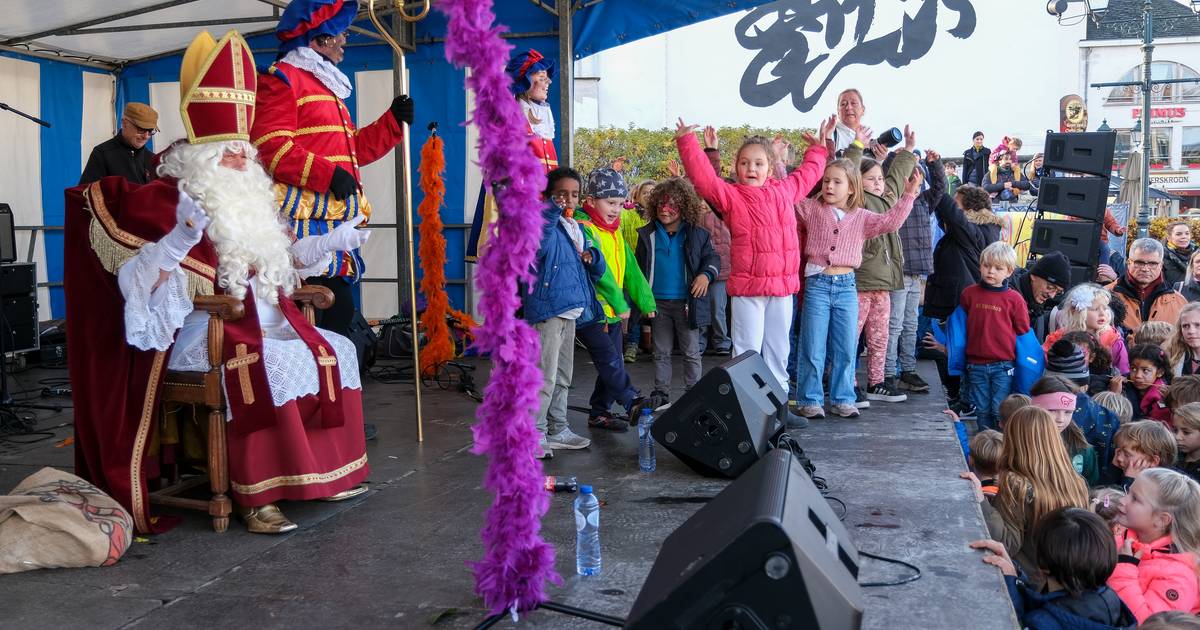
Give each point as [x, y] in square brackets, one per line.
[567, 267]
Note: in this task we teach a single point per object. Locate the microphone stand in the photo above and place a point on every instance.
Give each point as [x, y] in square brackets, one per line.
[22, 114]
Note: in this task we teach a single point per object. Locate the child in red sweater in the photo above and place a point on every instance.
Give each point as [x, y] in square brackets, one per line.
[996, 316]
[764, 266]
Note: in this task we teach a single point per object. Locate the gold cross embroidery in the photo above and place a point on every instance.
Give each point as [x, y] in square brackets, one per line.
[328, 362]
[241, 363]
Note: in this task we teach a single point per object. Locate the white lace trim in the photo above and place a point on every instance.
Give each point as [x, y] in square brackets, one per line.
[544, 126]
[291, 370]
[152, 315]
[308, 59]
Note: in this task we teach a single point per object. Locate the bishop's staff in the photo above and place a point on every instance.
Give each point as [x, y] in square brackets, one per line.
[406, 177]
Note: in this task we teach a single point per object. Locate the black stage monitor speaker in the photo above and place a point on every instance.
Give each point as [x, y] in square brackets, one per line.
[1079, 241]
[1081, 274]
[723, 424]
[1090, 152]
[1082, 197]
[8, 235]
[765, 553]
[20, 325]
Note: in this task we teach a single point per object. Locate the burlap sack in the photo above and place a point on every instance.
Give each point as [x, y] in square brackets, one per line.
[54, 519]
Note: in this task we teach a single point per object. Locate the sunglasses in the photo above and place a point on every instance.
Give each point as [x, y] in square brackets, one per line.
[142, 130]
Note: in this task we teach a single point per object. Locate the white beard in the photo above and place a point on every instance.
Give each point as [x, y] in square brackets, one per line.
[245, 226]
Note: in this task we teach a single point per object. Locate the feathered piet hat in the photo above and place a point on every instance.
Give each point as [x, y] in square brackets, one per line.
[525, 64]
[217, 82]
[303, 20]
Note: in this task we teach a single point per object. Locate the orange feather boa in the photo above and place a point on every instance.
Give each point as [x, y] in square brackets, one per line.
[438, 348]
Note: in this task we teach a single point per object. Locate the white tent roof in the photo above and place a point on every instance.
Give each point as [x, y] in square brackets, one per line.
[110, 32]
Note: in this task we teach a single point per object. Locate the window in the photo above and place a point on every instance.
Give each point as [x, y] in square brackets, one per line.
[1191, 147]
[1169, 93]
[1160, 148]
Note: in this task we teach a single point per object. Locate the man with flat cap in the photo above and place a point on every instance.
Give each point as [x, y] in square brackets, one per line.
[125, 154]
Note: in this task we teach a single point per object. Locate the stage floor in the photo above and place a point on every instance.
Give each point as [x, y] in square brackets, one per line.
[397, 556]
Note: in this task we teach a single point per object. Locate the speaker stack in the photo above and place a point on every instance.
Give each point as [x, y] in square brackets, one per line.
[1082, 163]
[18, 307]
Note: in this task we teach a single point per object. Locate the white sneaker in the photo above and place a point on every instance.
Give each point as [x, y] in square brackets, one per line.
[567, 440]
[543, 451]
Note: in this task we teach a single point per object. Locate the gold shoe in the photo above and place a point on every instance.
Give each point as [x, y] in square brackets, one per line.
[265, 519]
[347, 494]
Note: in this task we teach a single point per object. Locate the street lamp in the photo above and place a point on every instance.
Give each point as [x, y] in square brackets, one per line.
[1096, 9]
[1104, 128]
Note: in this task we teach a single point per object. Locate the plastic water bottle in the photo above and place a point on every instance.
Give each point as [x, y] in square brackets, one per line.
[587, 532]
[646, 459]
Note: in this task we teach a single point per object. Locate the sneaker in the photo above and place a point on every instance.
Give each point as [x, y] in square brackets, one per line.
[965, 410]
[860, 399]
[608, 423]
[811, 412]
[567, 440]
[913, 382]
[543, 450]
[882, 391]
[791, 420]
[844, 411]
[631, 354]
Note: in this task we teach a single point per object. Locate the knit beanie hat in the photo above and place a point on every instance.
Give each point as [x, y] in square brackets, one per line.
[1065, 359]
[606, 183]
[1053, 268]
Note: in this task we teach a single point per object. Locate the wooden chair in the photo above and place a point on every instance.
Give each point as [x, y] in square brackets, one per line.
[203, 389]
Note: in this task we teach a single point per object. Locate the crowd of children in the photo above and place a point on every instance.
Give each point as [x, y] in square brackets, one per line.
[1086, 467]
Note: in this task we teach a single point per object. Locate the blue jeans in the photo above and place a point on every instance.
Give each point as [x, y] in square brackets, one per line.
[612, 381]
[828, 324]
[988, 384]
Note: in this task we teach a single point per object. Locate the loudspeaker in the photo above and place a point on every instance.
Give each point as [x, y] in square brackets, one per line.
[1089, 152]
[8, 235]
[765, 553]
[1082, 197]
[1079, 241]
[723, 424]
[1080, 274]
[20, 326]
[18, 279]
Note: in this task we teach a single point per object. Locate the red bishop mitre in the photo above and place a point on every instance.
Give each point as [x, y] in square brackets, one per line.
[217, 83]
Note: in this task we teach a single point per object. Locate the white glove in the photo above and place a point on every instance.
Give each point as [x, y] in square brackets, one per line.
[190, 221]
[343, 238]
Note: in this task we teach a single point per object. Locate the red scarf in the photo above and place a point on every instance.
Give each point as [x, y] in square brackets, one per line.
[598, 219]
[1146, 291]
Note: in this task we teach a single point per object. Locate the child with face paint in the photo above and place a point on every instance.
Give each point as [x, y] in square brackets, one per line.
[678, 260]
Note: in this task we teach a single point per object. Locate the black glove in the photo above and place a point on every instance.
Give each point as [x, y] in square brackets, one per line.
[342, 184]
[402, 109]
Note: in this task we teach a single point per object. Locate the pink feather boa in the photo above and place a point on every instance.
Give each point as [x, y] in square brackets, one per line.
[517, 563]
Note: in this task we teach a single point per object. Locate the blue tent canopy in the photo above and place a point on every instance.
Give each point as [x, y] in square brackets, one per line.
[57, 33]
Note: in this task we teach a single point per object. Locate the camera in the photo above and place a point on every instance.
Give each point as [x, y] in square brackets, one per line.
[890, 138]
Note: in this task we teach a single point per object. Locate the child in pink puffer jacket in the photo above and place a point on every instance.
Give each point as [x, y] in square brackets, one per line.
[765, 252]
[1156, 568]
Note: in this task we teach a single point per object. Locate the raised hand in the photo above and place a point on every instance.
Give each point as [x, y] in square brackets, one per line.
[673, 168]
[932, 156]
[779, 147]
[879, 151]
[190, 218]
[864, 135]
[682, 129]
[910, 139]
[827, 127]
[711, 141]
[914, 182]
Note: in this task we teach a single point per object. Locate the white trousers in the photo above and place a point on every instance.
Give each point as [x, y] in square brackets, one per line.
[762, 324]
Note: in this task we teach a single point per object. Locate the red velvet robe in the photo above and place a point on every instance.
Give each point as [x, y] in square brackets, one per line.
[308, 448]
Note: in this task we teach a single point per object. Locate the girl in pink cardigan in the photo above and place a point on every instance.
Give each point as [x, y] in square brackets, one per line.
[764, 249]
[837, 226]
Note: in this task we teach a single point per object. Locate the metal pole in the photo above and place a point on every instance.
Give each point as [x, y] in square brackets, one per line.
[405, 218]
[566, 78]
[1143, 220]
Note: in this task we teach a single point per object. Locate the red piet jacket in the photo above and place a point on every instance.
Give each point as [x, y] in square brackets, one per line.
[303, 131]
